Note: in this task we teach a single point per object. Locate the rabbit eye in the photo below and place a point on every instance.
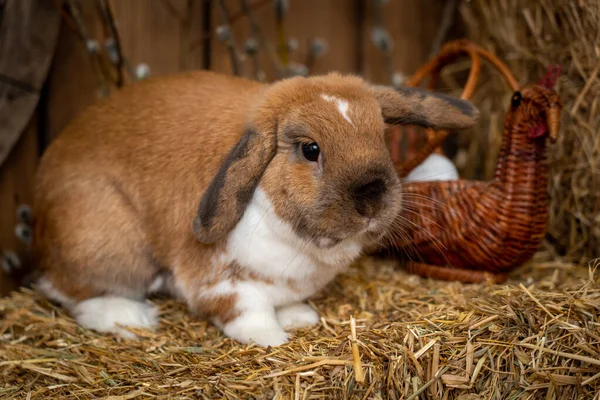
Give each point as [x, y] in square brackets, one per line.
[311, 151]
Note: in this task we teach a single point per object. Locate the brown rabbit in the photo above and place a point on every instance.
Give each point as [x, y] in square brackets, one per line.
[240, 198]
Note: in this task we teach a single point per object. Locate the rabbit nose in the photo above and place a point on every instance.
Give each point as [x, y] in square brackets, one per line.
[368, 197]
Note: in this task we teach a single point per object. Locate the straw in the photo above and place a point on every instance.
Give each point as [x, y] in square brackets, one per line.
[388, 335]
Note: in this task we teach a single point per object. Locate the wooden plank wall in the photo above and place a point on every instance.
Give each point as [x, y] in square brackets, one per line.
[167, 35]
[154, 33]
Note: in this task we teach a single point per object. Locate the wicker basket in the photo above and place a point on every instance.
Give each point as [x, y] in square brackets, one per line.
[474, 231]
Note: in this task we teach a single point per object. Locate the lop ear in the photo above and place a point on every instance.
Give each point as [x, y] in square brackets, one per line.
[407, 105]
[230, 191]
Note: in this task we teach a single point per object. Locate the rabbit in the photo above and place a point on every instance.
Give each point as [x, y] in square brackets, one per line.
[241, 199]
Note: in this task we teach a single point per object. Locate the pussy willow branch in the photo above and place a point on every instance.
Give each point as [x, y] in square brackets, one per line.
[311, 56]
[445, 25]
[316, 48]
[382, 39]
[110, 25]
[251, 46]
[93, 52]
[258, 34]
[236, 65]
[232, 19]
[66, 16]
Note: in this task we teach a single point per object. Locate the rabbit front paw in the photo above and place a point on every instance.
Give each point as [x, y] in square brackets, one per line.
[297, 315]
[261, 328]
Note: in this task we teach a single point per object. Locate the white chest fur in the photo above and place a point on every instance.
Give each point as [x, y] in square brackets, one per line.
[265, 244]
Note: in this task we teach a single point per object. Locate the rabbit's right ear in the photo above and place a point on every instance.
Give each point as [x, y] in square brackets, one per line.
[408, 105]
[224, 202]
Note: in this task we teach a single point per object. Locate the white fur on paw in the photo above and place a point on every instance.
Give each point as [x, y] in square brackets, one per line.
[102, 314]
[298, 315]
[261, 328]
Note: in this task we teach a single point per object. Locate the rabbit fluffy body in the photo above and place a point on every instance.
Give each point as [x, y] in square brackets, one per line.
[241, 199]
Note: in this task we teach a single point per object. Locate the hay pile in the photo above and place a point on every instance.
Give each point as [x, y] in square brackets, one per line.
[530, 36]
[415, 339]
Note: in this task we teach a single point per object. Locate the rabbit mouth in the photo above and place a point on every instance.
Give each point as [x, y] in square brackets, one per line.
[373, 230]
[371, 225]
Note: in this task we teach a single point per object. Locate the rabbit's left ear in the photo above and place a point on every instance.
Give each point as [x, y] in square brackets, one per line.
[224, 202]
[408, 105]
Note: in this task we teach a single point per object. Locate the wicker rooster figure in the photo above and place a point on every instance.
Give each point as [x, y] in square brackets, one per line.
[474, 231]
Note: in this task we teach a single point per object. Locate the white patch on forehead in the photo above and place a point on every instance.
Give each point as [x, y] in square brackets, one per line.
[342, 106]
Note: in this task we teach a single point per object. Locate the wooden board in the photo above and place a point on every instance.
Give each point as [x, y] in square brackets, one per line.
[154, 32]
[167, 36]
[16, 188]
[28, 33]
[72, 84]
[159, 33]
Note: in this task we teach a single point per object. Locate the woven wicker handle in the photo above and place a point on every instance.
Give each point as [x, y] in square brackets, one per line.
[448, 54]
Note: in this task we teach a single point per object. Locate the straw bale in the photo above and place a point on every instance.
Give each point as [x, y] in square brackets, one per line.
[529, 36]
[384, 335]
